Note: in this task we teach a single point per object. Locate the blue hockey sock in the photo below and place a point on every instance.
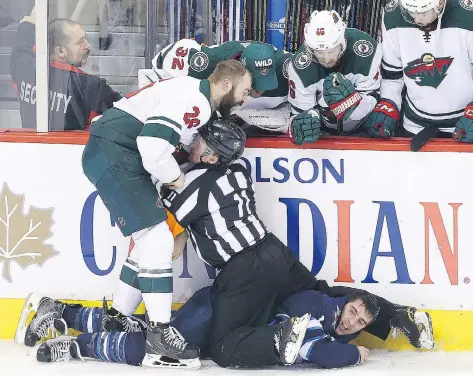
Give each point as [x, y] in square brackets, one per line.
[82, 319]
[86, 320]
[115, 347]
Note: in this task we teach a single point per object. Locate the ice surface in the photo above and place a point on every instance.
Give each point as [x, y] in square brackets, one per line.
[18, 361]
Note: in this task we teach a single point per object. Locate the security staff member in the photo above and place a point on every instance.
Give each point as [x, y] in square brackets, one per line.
[75, 97]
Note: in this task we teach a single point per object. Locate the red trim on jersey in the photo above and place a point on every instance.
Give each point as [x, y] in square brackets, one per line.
[133, 93]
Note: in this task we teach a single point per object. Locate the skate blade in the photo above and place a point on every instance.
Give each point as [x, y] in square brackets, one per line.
[161, 361]
[292, 349]
[426, 338]
[31, 304]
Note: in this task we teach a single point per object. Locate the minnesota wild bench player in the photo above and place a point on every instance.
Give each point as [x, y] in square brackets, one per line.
[267, 106]
[334, 77]
[428, 49]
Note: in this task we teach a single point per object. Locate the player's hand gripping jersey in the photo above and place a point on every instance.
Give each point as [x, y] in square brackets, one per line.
[343, 99]
[435, 65]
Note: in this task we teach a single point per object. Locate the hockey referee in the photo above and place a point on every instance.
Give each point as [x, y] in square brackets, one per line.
[217, 207]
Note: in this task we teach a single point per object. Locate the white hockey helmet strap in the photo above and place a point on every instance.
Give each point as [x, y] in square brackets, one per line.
[325, 31]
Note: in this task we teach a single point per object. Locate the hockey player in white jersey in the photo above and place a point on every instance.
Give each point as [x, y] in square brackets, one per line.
[130, 147]
[335, 76]
[428, 49]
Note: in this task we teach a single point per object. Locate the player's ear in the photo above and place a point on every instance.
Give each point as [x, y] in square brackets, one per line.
[227, 85]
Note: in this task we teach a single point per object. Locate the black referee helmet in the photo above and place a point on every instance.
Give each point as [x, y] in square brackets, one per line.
[225, 138]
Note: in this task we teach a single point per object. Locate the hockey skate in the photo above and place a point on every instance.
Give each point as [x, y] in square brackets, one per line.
[60, 349]
[46, 322]
[114, 321]
[416, 326]
[289, 337]
[166, 348]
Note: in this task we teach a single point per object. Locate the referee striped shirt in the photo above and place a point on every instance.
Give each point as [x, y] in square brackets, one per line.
[217, 206]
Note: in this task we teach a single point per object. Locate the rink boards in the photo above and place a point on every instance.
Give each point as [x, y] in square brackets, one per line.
[366, 214]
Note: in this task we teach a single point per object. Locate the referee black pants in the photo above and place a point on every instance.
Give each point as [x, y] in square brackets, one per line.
[244, 297]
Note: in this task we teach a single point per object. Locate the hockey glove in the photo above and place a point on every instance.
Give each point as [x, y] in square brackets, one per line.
[340, 95]
[464, 127]
[305, 127]
[381, 123]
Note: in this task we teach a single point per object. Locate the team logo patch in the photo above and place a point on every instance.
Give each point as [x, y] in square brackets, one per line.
[467, 4]
[303, 60]
[391, 5]
[264, 72]
[285, 68]
[428, 70]
[363, 48]
[199, 62]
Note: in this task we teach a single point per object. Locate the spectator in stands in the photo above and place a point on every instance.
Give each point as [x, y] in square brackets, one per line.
[75, 97]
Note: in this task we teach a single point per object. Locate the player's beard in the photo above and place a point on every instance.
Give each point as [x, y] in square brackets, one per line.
[228, 102]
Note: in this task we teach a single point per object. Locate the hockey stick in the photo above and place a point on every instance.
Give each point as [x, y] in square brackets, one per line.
[194, 18]
[286, 25]
[298, 29]
[230, 19]
[178, 19]
[254, 20]
[237, 20]
[244, 20]
[340, 127]
[304, 18]
[184, 20]
[264, 19]
[293, 25]
[225, 27]
[260, 20]
[214, 20]
[249, 15]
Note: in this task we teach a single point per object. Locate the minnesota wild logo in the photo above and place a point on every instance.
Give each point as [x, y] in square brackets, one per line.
[428, 70]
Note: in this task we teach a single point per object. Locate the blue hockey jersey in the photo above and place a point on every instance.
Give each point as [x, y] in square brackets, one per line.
[321, 345]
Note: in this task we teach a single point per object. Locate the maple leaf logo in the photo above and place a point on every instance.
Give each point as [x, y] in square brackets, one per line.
[22, 236]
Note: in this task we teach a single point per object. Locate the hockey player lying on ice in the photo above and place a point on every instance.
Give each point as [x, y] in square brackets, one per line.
[334, 323]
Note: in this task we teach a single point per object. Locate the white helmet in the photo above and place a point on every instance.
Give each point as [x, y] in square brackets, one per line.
[421, 12]
[324, 36]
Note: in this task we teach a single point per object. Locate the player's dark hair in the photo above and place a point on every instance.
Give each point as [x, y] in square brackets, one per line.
[370, 302]
[229, 69]
[56, 34]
